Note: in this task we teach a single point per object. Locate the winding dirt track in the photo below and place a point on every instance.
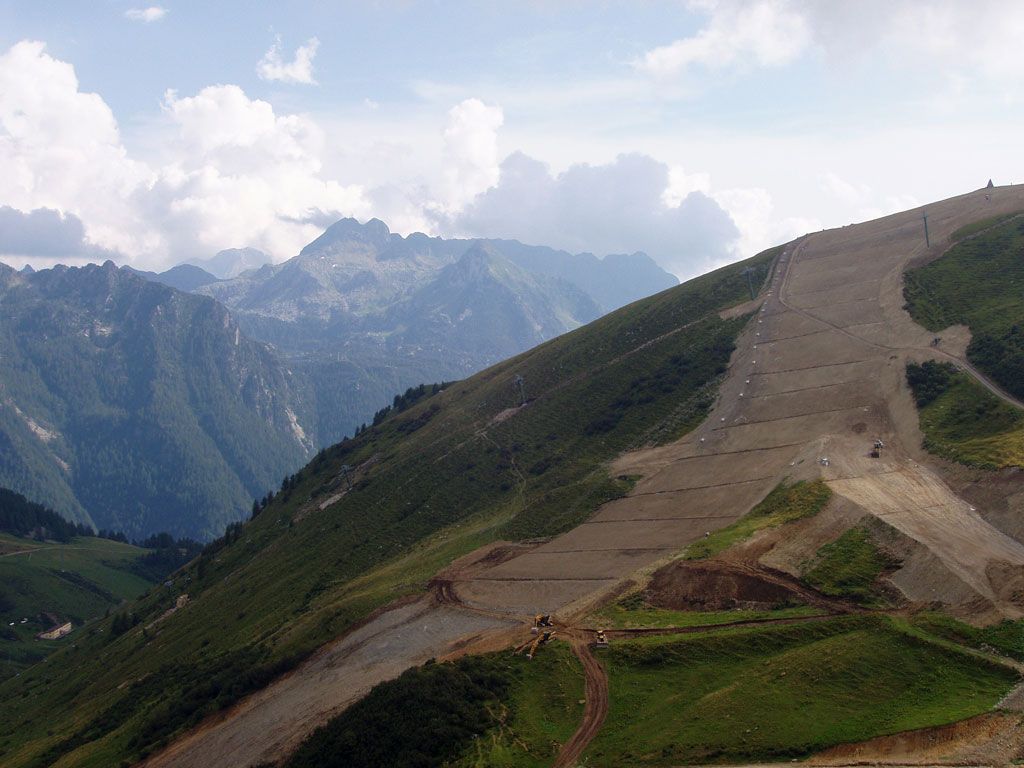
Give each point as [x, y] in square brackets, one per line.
[594, 711]
[818, 372]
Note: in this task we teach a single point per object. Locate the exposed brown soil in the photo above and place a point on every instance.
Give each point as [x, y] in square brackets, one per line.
[991, 739]
[741, 309]
[716, 585]
[268, 725]
[479, 560]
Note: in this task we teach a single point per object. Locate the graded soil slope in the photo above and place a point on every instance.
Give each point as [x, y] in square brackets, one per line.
[818, 373]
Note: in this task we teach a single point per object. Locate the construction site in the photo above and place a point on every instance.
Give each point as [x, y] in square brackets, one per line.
[815, 391]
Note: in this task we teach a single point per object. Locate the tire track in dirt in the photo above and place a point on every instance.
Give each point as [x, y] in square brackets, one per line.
[594, 711]
[596, 686]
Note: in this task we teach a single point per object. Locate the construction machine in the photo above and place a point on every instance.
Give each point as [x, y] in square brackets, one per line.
[541, 640]
[540, 621]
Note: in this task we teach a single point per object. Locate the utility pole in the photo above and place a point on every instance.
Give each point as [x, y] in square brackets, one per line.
[927, 240]
[522, 389]
[750, 284]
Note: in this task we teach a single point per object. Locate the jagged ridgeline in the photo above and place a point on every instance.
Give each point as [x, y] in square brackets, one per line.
[517, 451]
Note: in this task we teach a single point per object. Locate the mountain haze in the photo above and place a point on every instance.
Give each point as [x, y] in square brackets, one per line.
[184, 277]
[232, 262]
[356, 271]
[484, 306]
[376, 313]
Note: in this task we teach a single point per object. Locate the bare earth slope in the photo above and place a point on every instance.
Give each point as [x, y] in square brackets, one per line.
[818, 373]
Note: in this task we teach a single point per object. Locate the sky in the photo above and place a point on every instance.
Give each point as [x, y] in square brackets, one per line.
[699, 131]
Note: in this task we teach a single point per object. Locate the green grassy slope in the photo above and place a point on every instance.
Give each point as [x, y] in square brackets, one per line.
[430, 484]
[964, 422]
[976, 227]
[633, 613]
[979, 283]
[724, 695]
[849, 567]
[75, 581]
[782, 692]
[540, 712]
[486, 711]
[785, 504]
[1005, 638]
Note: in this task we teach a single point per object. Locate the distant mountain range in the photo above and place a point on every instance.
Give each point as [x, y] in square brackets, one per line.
[143, 402]
[357, 271]
[367, 313]
[184, 277]
[232, 262]
[192, 275]
[372, 312]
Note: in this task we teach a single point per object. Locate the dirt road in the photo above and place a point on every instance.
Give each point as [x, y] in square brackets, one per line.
[271, 723]
[594, 711]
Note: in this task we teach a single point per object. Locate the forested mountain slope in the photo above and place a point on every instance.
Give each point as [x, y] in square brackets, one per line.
[134, 407]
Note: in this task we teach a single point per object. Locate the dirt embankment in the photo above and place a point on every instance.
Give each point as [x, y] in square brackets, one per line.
[715, 585]
[991, 739]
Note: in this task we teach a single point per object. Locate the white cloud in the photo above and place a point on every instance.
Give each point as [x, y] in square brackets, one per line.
[146, 15]
[956, 44]
[751, 209]
[760, 226]
[862, 201]
[470, 152]
[233, 172]
[681, 184]
[612, 208]
[229, 170]
[244, 175]
[60, 148]
[299, 70]
[738, 33]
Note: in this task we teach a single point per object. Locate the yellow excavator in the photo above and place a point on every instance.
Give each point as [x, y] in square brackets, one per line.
[538, 642]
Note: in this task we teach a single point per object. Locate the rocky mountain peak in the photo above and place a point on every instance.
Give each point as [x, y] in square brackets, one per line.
[373, 234]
